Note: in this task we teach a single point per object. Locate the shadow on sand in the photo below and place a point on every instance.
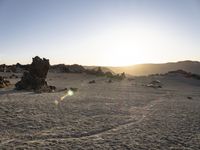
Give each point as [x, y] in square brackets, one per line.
[13, 91]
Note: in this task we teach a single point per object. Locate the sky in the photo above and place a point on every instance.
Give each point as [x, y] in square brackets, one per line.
[99, 32]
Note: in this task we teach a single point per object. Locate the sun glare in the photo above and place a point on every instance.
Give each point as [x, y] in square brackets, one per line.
[124, 46]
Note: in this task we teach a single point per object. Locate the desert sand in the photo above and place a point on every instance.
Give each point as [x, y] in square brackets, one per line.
[119, 115]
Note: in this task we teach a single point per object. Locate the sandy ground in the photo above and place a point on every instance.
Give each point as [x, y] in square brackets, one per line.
[119, 115]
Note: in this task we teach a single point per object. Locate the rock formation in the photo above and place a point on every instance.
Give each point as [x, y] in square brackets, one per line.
[184, 74]
[62, 68]
[35, 78]
[3, 68]
[4, 83]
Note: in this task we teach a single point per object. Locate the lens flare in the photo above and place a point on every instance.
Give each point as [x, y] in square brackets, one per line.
[56, 102]
[69, 93]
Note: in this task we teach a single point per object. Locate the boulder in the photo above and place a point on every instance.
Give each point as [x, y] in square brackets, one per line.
[35, 78]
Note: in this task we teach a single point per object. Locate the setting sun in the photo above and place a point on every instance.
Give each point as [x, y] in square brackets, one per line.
[97, 34]
[133, 44]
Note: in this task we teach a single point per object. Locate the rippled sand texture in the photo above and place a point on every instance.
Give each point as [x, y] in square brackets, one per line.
[118, 115]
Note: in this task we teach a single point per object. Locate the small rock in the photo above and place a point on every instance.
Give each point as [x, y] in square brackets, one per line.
[92, 81]
[155, 84]
[109, 81]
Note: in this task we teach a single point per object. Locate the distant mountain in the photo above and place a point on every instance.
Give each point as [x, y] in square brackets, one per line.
[146, 69]
[137, 70]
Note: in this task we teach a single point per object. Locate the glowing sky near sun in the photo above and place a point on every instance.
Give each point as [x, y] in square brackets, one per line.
[99, 32]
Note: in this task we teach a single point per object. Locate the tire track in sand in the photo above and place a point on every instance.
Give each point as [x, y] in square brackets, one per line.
[97, 134]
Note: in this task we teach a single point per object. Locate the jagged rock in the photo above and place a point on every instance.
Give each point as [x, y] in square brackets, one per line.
[4, 83]
[62, 68]
[35, 78]
[75, 68]
[13, 76]
[98, 72]
[3, 68]
[21, 68]
[184, 74]
[18, 68]
[39, 67]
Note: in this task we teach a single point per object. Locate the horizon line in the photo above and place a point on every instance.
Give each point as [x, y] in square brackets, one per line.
[86, 65]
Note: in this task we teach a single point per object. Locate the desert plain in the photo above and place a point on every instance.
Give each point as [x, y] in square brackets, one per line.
[122, 114]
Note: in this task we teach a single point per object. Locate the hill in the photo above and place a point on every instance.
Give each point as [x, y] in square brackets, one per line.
[146, 69]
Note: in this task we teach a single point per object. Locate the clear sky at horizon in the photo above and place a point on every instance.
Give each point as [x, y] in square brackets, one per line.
[100, 32]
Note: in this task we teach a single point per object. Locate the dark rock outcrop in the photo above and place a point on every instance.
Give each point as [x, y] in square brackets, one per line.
[62, 68]
[35, 78]
[13, 76]
[22, 68]
[184, 74]
[4, 83]
[99, 72]
[75, 68]
[18, 68]
[92, 81]
[3, 68]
